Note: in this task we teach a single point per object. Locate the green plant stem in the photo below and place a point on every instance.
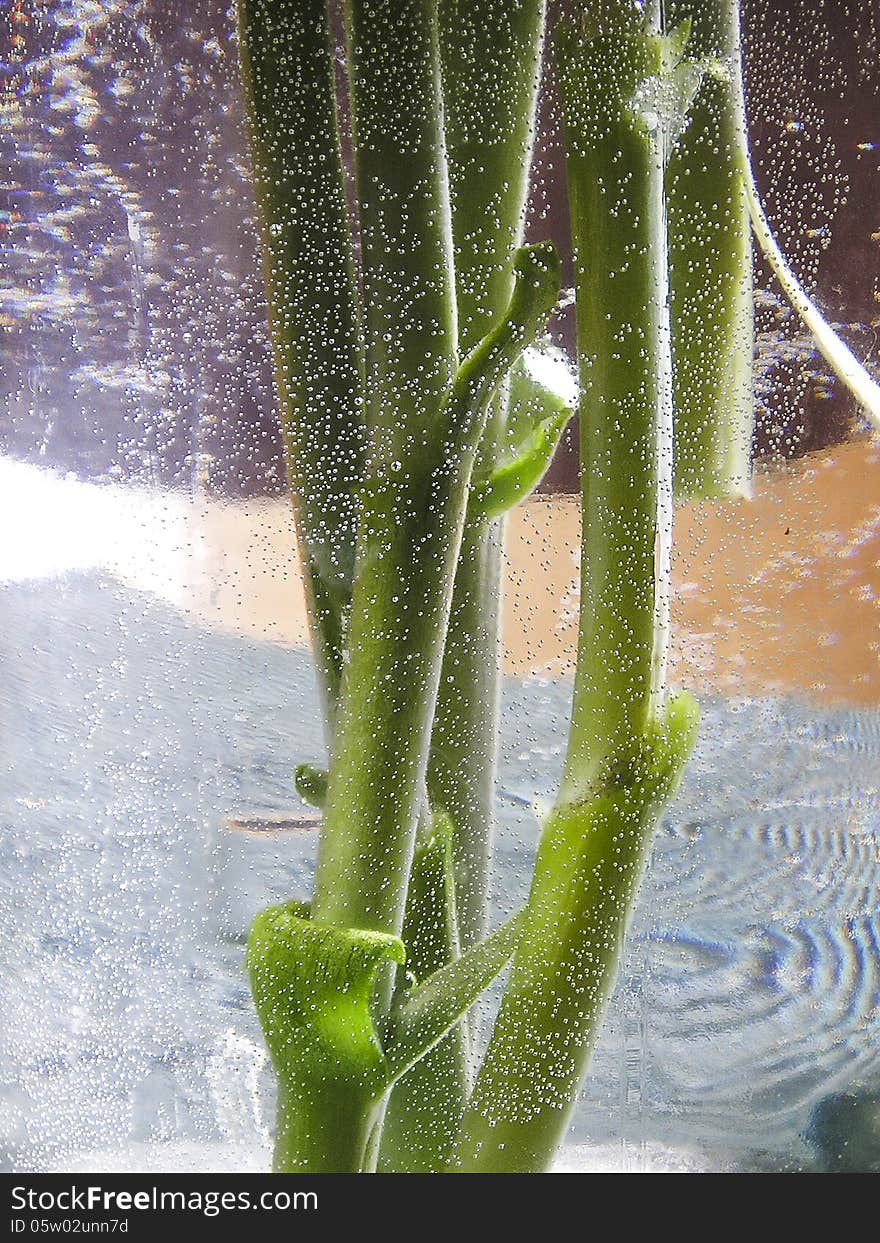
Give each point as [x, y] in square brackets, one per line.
[587, 870]
[416, 1137]
[376, 773]
[626, 748]
[408, 544]
[434, 1005]
[491, 60]
[376, 782]
[491, 56]
[402, 592]
[324, 1131]
[309, 271]
[711, 296]
[615, 178]
[312, 987]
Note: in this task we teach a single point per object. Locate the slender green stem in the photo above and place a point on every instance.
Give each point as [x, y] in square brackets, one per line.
[626, 747]
[408, 549]
[416, 1138]
[406, 255]
[711, 285]
[840, 358]
[408, 541]
[615, 179]
[464, 738]
[491, 58]
[434, 1005]
[307, 254]
[587, 870]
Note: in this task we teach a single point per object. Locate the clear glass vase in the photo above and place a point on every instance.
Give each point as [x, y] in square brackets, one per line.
[157, 685]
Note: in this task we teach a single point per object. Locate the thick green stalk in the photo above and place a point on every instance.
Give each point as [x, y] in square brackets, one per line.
[408, 543]
[312, 988]
[325, 1130]
[409, 320]
[711, 287]
[491, 58]
[626, 747]
[587, 870]
[408, 549]
[406, 239]
[615, 180]
[377, 777]
[307, 255]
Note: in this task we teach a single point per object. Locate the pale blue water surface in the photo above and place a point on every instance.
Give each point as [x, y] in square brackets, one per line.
[752, 979]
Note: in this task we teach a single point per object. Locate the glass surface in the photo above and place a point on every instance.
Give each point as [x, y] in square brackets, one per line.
[157, 689]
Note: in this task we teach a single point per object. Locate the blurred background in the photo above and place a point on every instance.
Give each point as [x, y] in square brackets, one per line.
[132, 314]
